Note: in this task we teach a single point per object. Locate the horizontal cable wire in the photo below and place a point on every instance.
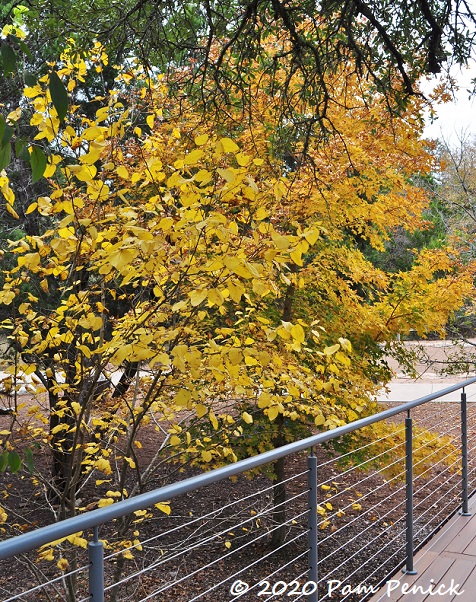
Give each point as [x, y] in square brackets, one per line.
[209, 515]
[438, 450]
[363, 531]
[49, 582]
[443, 509]
[379, 471]
[161, 561]
[214, 533]
[447, 468]
[430, 468]
[238, 596]
[434, 426]
[302, 595]
[378, 552]
[378, 585]
[432, 492]
[369, 494]
[273, 596]
[362, 447]
[359, 483]
[148, 597]
[261, 580]
[399, 535]
[359, 517]
[357, 466]
[360, 534]
[427, 484]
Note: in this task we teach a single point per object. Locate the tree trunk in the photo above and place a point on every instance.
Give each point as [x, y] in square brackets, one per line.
[279, 491]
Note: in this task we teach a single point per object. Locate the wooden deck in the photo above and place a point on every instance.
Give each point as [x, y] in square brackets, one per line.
[446, 567]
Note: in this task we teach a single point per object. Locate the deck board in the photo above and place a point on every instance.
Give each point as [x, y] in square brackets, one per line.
[448, 560]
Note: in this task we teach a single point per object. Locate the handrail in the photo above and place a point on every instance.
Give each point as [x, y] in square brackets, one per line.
[92, 519]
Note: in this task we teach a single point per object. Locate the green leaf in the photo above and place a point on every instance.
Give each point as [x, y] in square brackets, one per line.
[59, 95]
[30, 79]
[9, 59]
[6, 131]
[14, 461]
[20, 145]
[38, 163]
[25, 49]
[5, 155]
[3, 461]
[30, 464]
[7, 135]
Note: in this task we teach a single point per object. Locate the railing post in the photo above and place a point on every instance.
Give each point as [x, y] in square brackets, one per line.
[409, 570]
[464, 456]
[96, 568]
[312, 523]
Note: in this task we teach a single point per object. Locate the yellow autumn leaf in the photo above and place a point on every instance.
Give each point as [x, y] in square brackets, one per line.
[213, 419]
[227, 174]
[319, 420]
[237, 266]
[193, 157]
[215, 297]
[76, 540]
[92, 156]
[93, 133]
[59, 428]
[200, 410]
[182, 397]
[84, 173]
[11, 211]
[201, 140]
[103, 465]
[296, 256]
[3, 515]
[14, 116]
[105, 501]
[236, 291]
[130, 461]
[62, 564]
[206, 456]
[229, 146]
[122, 172]
[297, 332]
[122, 258]
[164, 507]
[197, 297]
[32, 207]
[247, 418]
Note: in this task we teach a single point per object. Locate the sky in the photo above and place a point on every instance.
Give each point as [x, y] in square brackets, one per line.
[456, 119]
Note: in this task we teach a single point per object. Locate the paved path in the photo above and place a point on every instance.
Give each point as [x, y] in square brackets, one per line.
[403, 388]
[401, 391]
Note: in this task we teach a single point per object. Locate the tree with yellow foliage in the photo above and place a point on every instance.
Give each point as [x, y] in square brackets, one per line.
[218, 274]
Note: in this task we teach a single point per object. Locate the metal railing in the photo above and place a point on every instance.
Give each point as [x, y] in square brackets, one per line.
[309, 520]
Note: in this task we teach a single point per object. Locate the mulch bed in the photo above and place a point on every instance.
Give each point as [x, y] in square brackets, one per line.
[362, 546]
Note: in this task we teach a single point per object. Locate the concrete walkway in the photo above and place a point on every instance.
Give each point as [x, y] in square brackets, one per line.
[401, 390]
